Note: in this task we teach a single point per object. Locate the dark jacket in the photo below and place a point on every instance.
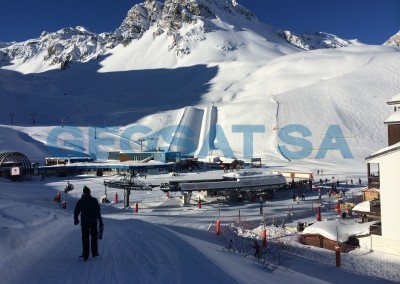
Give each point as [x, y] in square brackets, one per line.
[89, 209]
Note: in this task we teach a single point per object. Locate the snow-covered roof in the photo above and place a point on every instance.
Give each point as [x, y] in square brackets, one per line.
[383, 151]
[338, 229]
[227, 160]
[394, 117]
[395, 100]
[363, 207]
[208, 159]
[117, 162]
[371, 189]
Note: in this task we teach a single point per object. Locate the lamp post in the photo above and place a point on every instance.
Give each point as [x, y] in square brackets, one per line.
[141, 139]
[141, 143]
[64, 119]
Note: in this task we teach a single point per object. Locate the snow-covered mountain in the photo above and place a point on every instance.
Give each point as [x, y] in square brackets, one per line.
[394, 40]
[59, 48]
[201, 77]
[186, 23]
[316, 40]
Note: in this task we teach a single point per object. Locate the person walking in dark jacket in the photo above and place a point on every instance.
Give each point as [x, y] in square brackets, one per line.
[89, 209]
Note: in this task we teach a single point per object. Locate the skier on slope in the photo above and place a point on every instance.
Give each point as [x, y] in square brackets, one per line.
[89, 209]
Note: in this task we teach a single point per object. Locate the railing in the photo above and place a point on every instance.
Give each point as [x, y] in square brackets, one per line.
[373, 182]
[376, 229]
[375, 206]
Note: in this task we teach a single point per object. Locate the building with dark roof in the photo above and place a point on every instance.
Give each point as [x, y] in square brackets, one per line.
[13, 165]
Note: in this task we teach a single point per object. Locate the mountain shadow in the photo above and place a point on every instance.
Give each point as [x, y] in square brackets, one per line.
[81, 96]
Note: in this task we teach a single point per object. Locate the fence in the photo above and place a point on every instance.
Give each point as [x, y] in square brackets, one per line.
[362, 261]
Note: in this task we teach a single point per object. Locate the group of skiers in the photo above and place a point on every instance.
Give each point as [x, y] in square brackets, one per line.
[332, 181]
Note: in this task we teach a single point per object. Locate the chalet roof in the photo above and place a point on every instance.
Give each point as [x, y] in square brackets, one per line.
[393, 118]
[338, 229]
[384, 151]
[362, 207]
[371, 189]
[394, 100]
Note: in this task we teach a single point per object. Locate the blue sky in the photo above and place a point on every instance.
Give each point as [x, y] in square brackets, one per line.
[370, 21]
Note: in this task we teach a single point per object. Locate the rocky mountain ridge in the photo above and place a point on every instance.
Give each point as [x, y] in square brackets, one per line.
[184, 21]
[394, 40]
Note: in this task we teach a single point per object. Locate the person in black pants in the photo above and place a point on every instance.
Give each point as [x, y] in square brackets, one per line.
[89, 209]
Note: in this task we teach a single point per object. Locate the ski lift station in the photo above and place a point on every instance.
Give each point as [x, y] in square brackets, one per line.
[117, 162]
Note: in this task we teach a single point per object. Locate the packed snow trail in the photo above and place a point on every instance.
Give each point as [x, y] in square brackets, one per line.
[132, 251]
[40, 244]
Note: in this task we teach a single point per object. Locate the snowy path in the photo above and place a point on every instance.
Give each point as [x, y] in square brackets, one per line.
[163, 244]
[132, 250]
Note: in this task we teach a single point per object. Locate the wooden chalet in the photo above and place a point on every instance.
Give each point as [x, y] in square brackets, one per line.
[329, 234]
[317, 240]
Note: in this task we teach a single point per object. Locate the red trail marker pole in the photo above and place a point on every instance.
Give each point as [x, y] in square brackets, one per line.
[218, 227]
[318, 213]
[337, 255]
[264, 237]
